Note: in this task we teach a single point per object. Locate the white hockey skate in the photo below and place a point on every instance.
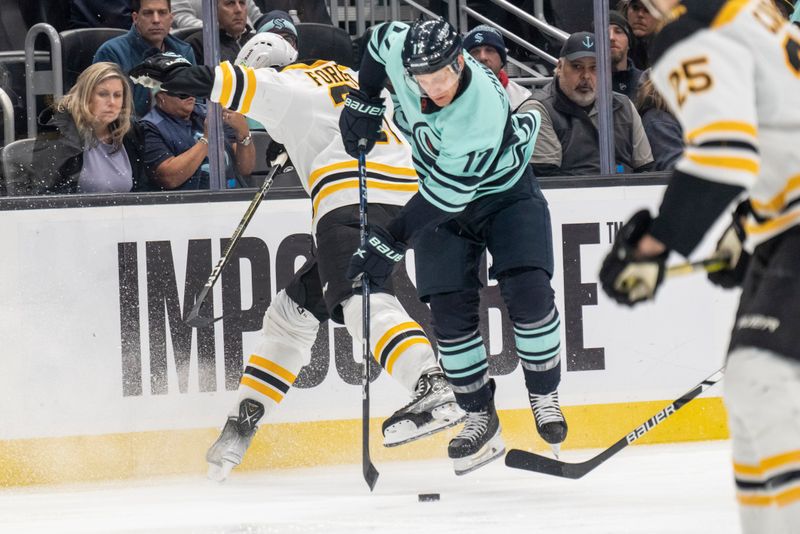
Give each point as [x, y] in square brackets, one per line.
[432, 409]
[227, 452]
[478, 443]
[550, 422]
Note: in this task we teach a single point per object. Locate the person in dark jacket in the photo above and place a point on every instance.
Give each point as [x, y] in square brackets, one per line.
[94, 146]
[148, 35]
[663, 130]
[233, 31]
[625, 76]
[644, 26]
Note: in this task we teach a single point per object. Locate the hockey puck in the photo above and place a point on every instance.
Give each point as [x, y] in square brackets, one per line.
[428, 497]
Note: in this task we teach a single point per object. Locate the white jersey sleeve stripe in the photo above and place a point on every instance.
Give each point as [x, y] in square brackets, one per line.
[777, 203]
[723, 130]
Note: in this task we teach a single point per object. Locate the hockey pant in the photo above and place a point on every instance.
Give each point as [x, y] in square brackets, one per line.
[289, 331]
[762, 397]
[537, 334]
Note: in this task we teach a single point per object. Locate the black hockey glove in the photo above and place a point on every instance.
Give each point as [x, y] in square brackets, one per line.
[361, 118]
[377, 259]
[731, 247]
[172, 72]
[274, 152]
[627, 279]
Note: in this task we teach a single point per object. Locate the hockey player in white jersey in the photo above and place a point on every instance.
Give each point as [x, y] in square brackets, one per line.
[299, 105]
[730, 71]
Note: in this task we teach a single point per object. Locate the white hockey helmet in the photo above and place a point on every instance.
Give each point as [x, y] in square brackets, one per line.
[266, 50]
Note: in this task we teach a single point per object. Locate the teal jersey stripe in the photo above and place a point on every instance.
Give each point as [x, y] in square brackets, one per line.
[545, 342]
[461, 361]
[447, 348]
[532, 332]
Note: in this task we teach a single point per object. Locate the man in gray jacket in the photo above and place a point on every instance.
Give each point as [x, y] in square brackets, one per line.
[568, 139]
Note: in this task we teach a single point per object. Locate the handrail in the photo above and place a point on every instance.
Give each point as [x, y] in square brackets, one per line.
[8, 117]
[530, 19]
[514, 37]
[42, 82]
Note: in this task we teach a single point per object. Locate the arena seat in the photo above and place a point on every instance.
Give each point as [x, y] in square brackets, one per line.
[17, 161]
[322, 41]
[78, 48]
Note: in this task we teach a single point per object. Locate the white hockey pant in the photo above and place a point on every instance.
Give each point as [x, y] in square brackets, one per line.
[397, 341]
[287, 336]
[762, 396]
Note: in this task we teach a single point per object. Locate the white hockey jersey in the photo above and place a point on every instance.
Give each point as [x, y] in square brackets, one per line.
[300, 106]
[734, 85]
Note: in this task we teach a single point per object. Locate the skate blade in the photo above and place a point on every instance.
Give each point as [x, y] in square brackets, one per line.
[406, 431]
[556, 449]
[219, 473]
[494, 449]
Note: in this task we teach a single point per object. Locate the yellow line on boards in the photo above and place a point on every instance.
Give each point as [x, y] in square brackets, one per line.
[286, 445]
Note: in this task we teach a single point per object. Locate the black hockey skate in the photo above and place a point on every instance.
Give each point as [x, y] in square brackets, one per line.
[478, 443]
[432, 409]
[550, 422]
[227, 452]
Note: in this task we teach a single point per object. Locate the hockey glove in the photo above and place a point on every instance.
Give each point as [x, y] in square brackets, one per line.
[172, 72]
[377, 258]
[628, 279]
[731, 247]
[361, 118]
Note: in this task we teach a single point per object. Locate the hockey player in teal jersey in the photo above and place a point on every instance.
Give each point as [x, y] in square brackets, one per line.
[477, 192]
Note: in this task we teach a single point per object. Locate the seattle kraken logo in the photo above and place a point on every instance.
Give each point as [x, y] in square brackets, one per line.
[426, 142]
[588, 42]
[478, 37]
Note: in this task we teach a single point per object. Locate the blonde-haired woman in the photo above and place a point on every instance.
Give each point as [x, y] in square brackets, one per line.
[662, 128]
[91, 143]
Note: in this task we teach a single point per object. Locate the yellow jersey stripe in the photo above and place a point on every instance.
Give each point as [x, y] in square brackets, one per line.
[779, 200]
[401, 348]
[272, 367]
[728, 12]
[261, 388]
[353, 183]
[306, 66]
[227, 84]
[783, 498]
[353, 164]
[768, 464]
[389, 334]
[778, 223]
[723, 126]
[251, 90]
[725, 162]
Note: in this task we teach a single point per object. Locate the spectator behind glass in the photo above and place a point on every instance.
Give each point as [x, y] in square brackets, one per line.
[279, 22]
[176, 144]
[233, 31]
[147, 36]
[189, 13]
[100, 14]
[644, 27]
[624, 74]
[486, 44]
[567, 143]
[663, 130]
[95, 146]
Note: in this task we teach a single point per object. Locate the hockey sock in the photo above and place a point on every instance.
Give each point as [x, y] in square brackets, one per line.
[398, 342]
[539, 349]
[465, 365]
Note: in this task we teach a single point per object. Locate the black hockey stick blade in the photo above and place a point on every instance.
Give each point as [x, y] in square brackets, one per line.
[528, 461]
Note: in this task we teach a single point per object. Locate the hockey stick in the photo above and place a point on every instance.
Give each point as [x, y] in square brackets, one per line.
[710, 265]
[529, 461]
[370, 473]
[193, 318]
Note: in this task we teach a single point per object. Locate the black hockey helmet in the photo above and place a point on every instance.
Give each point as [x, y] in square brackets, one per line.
[429, 46]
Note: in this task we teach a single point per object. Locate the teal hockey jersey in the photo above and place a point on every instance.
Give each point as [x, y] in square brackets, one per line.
[472, 147]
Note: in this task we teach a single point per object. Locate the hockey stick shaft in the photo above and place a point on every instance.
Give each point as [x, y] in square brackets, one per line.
[710, 265]
[529, 461]
[370, 472]
[193, 318]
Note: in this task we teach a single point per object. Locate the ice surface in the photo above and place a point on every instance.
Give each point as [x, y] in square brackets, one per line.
[679, 488]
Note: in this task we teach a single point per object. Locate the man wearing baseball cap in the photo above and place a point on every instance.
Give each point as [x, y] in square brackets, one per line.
[486, 44]
[568, 143]
[624, 74]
